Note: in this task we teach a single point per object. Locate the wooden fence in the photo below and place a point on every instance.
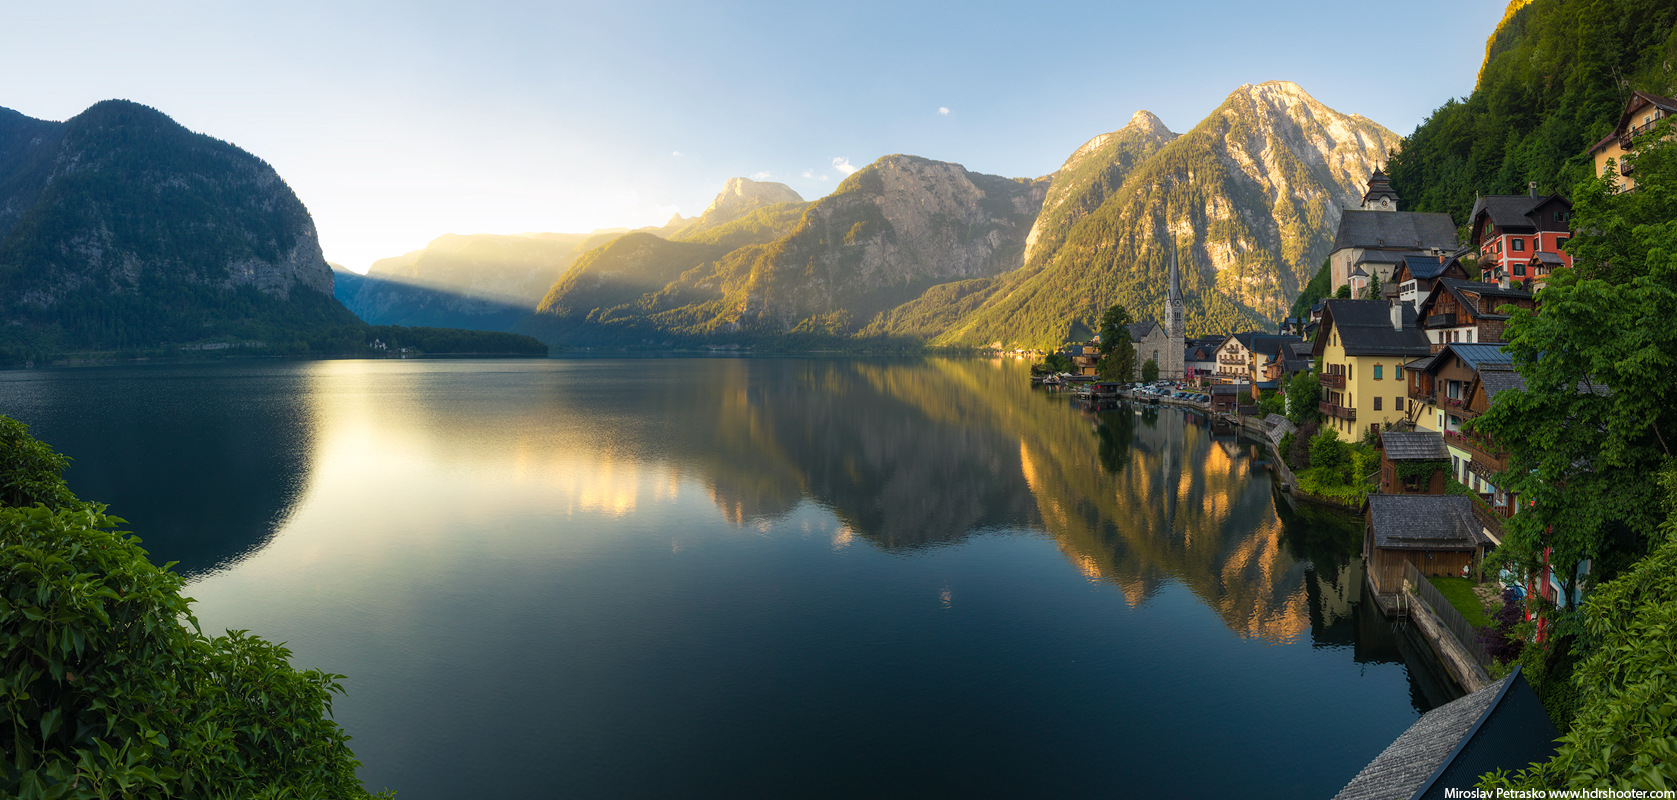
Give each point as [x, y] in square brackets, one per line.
[1466, 635]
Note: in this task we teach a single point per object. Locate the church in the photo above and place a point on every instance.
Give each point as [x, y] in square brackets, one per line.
[1165, 344]
[1373, 238]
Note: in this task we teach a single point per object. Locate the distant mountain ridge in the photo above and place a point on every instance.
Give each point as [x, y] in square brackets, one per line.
[824, 269]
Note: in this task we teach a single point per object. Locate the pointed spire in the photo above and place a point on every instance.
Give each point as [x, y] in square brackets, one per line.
[1175, 278]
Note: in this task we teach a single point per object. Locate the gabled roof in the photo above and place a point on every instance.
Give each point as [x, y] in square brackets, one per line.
[1461, 288]
[1139, 330]
[1421, 364]
[1423, 522]
[1476, 356]
[1394, 230]
[1548, 258]
[1425, 267]
[1634, 104]
[1505, 210]
[1365, 329]
[1414, 446]
[1502, 726]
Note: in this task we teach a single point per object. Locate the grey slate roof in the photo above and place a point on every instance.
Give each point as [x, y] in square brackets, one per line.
[1477, 356]
[1410, 760]
[1365, 329]
[1278, 427]
[1414, 445]
[1395, 230]
[1382, 257]
[1506, 210]
[1426, 267]
[1549, 258]
[1421, 364]
[1499, 380]
[1139, 330]
[1423, 522]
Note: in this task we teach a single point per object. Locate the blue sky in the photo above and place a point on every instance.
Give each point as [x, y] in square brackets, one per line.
[397, 122]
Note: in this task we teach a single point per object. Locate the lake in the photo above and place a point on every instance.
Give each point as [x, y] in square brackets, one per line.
[753, 577]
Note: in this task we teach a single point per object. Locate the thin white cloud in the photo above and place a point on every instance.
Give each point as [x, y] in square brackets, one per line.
[760, 176]
[843, 165]
[809, 173]
[942, 111]
[677, 154]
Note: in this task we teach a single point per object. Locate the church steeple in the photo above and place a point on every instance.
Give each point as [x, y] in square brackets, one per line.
[1379, 196]
[1174, 312]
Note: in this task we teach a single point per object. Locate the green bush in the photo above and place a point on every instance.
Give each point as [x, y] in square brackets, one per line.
[1327, 451]
[111, 689]
[30, 470]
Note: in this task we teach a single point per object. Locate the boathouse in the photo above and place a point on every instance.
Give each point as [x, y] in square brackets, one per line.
[1435, 532]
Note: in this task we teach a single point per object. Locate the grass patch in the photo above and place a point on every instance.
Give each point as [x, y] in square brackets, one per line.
[1459, 591]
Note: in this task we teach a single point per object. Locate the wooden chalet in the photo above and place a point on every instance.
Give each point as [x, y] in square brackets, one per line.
[1417, 274]
[1508, 229]
[1449, 389]
[1642, 112]
[1468, 311]
[1412, 462]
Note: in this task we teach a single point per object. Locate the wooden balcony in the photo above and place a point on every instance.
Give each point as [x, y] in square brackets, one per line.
[1441, 321]
[1341, 412]
[1484, 453]
[1420, 395]
[1455, 406]
[1331, 380]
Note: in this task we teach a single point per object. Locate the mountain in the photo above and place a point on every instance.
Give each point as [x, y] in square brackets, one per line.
[890, 231]
[738, 198]
[1555, 78]
[480, 281]
[119, 228]
[1250, 197]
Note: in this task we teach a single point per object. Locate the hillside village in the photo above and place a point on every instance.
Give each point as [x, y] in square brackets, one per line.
[1394, 372]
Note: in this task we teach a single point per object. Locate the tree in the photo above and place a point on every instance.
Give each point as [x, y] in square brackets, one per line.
[112, 690]
[1595, 420]
[1304, 396]
[1373, 290]
[1624, 734]
[1150, 370]
[1326, 450]
[1117, 351]
[1344, 292]
[30, 471]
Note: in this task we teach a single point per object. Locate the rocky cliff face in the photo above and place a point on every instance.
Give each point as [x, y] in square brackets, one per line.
[1089, 175]
[120, 195]
[1251, 198]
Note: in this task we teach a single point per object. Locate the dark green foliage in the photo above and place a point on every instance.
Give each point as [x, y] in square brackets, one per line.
[1326, 450]
[1556, 77]
[1344, 292]
[110, 690]
[1304, 395]
[1314, 291]
[1272, 402]
[1149, 370]
[30, 471]
[1286, 448]
[1600, 365]
[1052, 364]
[1117, 351]
[1622, 731]
[1298, 455]
[1373, 290]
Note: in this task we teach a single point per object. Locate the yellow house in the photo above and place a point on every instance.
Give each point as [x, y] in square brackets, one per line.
[1641, 112]
[1363, 345]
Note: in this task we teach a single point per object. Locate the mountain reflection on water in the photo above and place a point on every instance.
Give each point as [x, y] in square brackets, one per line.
[754, 570]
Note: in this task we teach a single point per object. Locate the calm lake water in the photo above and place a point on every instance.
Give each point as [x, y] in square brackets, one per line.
[753, 577]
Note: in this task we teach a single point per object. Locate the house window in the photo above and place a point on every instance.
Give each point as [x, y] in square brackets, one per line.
[1470, 336]
[1560, 243]
[1397, 402]
[1377, 399]
[1519, 245]
[1520, 270]
[1499, 245]
[1377, 369]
